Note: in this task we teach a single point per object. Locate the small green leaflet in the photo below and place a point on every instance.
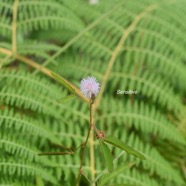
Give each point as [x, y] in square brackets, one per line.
[107, 155]
[67, 98]
[109, 176]
[63, 82]
[117, 143]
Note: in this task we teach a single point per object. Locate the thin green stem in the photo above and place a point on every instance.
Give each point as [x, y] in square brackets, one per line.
[60, 146]
[85, 144]
[80, 146]
[48, 73]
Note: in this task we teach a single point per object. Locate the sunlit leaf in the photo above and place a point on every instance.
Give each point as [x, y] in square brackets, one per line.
[64, 82]
[117, 143]
[107, 156]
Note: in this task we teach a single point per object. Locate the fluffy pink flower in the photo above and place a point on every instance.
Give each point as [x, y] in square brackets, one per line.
[89, 86]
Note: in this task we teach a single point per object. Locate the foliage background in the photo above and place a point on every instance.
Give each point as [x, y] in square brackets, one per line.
[126, 45]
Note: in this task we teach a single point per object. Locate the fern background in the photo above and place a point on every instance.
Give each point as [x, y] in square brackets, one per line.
[126, 45]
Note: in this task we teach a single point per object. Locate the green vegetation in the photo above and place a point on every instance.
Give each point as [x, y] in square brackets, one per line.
[136, 45]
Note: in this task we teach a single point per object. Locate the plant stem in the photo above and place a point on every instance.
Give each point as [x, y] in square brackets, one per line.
[48, 73]
[85, 144]
[14, 27]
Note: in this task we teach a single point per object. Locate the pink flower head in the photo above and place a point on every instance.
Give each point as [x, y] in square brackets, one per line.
[89, 87]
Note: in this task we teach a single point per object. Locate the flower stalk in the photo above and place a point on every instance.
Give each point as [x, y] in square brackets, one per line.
[91, 126]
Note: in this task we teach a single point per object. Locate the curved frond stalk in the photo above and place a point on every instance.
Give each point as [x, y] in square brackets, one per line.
[14, 27]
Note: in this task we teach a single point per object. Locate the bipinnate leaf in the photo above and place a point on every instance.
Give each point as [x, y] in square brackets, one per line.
[117, 143]
[69, 86]
[109, 176]
[107, 155]
[64, 82]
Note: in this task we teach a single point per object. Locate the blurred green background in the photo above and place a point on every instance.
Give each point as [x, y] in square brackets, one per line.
[128, 45]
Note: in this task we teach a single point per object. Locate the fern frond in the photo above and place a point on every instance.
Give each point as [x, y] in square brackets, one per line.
[5, 20]
[14, 147]
[137, 45]
[32, 16]
[156, 164]
[21, 168]
[141, 116]
[8, 119]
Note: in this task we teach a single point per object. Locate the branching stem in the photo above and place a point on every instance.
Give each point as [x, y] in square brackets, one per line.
[85, 144]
